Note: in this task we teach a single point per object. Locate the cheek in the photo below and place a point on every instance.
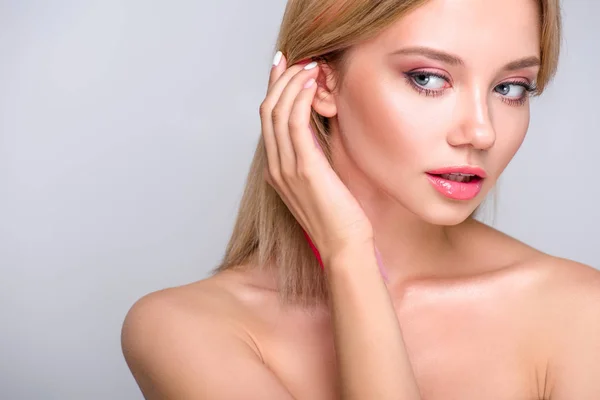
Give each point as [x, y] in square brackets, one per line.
[392, 120]
[511, 129]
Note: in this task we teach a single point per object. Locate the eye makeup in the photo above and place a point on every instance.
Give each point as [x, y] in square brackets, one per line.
[412, 78]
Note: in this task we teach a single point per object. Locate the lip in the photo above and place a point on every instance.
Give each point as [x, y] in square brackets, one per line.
[457, 190]
[463, 169]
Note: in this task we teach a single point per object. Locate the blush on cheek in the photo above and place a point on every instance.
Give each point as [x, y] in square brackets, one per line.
[511, 129]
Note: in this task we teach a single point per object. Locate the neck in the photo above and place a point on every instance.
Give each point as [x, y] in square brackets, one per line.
[410, 247]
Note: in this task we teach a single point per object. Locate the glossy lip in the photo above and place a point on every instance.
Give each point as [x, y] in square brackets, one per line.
[457, 190]
[462, 169]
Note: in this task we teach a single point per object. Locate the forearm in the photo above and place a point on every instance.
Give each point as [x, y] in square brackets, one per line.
[372, 358]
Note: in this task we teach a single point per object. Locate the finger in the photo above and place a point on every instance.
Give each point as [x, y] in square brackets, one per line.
[282, 80]
[266, 110]
[306, 147]
[277, 68]
[281, 118]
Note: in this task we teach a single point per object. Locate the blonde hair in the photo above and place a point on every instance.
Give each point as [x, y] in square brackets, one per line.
[265, 234]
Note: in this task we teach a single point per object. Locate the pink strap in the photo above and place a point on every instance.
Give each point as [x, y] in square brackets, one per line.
[382, 269]
[314, 249]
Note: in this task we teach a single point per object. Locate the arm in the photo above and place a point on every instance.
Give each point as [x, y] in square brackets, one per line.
[372, 359]
[373, 362]
[191, 355]
[179, 355]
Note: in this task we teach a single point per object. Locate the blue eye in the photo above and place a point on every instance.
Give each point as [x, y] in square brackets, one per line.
[423, 79]
[515, 92]
[433, 84]
[427, 83]
[511, 90]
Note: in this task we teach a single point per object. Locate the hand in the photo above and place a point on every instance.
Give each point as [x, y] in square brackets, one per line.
[299, 171]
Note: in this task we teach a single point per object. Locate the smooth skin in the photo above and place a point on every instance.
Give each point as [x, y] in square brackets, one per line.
[467, 313]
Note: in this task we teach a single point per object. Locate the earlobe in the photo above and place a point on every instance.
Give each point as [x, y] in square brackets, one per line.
[324, 102]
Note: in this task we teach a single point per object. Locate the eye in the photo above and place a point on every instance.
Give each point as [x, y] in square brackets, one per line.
[428, 80]
[511, 90]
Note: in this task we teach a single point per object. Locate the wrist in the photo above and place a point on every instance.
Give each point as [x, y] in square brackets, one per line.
[349, 255]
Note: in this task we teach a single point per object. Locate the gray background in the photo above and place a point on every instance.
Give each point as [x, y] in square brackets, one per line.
[126, 130]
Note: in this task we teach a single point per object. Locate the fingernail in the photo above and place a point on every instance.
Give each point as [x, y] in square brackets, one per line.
[309, 83]
[311, 65]
[277, 58]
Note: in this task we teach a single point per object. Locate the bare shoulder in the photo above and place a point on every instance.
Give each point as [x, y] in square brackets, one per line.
[185, 310]
[571, 283]
[565, 289]
[568, 303]
[507, 251]
[176, 342]
[561, 298]
[578, 281]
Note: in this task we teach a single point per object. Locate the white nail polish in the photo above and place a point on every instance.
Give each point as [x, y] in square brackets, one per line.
[311, 65]
[277, 58]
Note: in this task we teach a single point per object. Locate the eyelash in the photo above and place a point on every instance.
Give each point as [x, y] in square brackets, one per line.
[529, 89]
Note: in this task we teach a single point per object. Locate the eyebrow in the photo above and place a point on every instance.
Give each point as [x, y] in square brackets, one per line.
[451, 59]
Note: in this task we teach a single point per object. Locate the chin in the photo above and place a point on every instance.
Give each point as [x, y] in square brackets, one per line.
[447, 212]
[438, 209]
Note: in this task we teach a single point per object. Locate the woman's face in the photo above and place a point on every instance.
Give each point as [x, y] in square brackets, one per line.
[444, 88]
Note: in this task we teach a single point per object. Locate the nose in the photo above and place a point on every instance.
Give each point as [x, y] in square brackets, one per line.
[475, 127]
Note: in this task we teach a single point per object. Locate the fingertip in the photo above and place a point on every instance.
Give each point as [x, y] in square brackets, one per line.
[277, 68]
[279, 62]
[277, 58]
[311, 65]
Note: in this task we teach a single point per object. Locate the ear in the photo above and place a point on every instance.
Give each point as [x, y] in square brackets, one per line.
[325, 101]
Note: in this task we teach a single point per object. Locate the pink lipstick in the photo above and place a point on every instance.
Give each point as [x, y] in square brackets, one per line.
[458, 183]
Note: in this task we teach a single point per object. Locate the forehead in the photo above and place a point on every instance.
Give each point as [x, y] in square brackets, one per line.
[475, 30]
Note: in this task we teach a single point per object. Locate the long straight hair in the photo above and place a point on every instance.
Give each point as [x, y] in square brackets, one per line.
[266, 234]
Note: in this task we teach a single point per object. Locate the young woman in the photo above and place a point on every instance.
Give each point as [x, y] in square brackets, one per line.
[355, 269]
